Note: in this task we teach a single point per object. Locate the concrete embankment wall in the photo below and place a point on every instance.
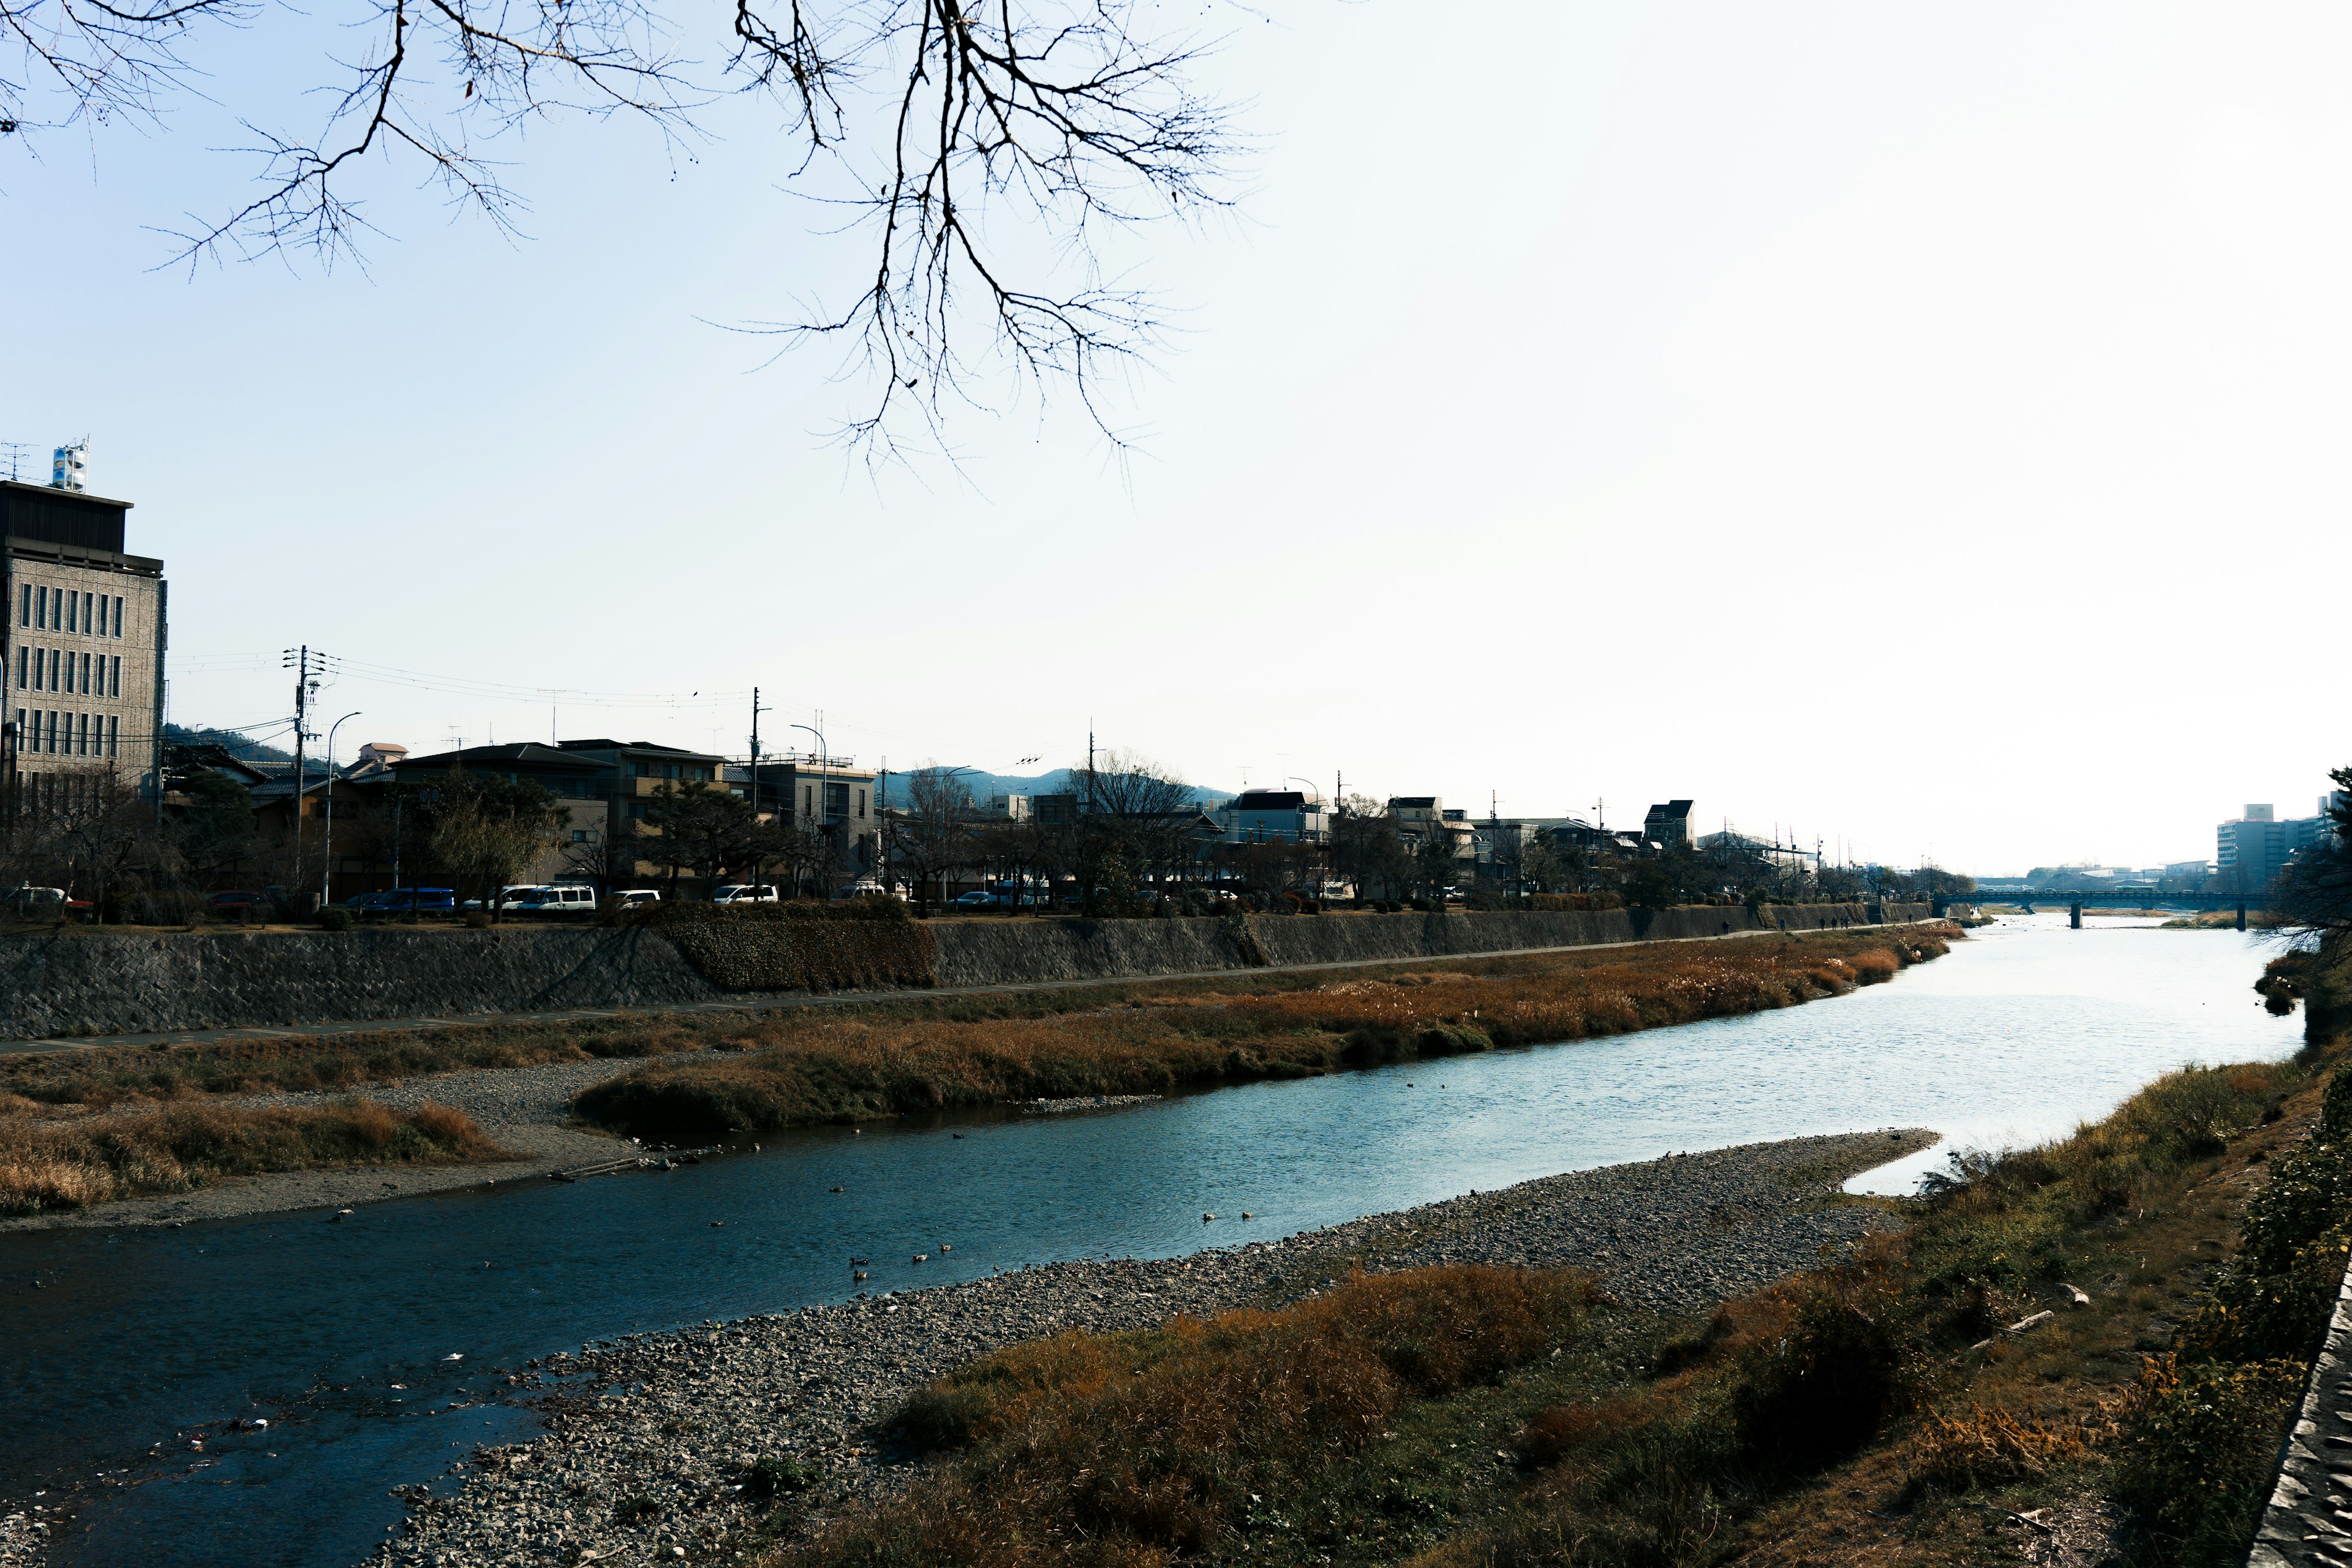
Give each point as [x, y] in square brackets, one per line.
[106, 983]
[998, 953]
[83, 981]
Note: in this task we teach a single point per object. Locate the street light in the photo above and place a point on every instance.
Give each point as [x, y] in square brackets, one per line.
[823, 777]
[327, 871]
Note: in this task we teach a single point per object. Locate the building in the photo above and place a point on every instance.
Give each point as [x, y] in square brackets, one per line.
[586, 786]
[2250, 850]
[1667, 825]
[1272, 817]
[832, 796]
[83, 645]
[1420, 817]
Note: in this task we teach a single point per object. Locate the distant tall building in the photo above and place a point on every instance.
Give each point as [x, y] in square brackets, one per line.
[82, 642]
[2249, 851]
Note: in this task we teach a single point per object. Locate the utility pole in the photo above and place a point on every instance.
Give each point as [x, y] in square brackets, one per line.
[298, 660]
[756, 712]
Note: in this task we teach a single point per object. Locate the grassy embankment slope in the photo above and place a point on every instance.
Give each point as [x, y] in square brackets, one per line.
[80, 1127]
[1879, 1410]
[806, 1067]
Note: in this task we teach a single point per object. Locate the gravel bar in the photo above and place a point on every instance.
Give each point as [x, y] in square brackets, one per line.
[649, 1437]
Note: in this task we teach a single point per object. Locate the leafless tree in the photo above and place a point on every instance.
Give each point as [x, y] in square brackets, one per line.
[986, 150]
[931, 835]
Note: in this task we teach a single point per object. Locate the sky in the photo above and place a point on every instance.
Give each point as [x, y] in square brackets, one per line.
[1914, 428]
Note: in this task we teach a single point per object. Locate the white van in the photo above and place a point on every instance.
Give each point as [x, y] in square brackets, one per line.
[562, 899]
[744, 893]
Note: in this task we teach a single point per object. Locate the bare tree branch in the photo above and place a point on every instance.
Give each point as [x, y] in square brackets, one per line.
[996, 148]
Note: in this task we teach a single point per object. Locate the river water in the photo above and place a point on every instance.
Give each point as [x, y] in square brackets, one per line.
[133, 1344]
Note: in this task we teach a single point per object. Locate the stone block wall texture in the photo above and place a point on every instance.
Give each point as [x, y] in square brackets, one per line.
[2303, 1524]
[77, 981]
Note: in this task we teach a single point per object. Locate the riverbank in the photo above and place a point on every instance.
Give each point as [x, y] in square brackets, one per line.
[793, 1071]
[649, 1438]
[693, 1079]
[524, 1113]
[1882, 1382]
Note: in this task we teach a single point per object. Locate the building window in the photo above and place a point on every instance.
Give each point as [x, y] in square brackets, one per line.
[837, 801]
[47, 740]
[861, 806]
[118, 614]
[85, 675]
[25, 608]
[113, 736]
[53, 670]
[579, 835]
[24, 667]
[73, 611]
[41, 608]
[117, 683]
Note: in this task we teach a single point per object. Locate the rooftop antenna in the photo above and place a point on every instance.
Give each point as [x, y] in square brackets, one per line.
[15, 451]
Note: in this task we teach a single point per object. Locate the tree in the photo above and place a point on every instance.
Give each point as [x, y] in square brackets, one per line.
[2313, 894]
[705, 830]
[1367, 851]
[213, 833]
[930, 837]
[101, 829]
[986, 149]
[1135, 820]
[483, 830]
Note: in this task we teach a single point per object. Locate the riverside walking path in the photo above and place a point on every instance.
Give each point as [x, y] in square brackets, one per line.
[771, 1002]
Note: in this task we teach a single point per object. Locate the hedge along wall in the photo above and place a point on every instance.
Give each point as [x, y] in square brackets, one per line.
[786, 948]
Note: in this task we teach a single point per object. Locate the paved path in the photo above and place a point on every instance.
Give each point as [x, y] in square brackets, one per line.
[771, 1002]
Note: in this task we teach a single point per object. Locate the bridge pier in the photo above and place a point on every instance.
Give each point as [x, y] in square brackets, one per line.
[2241, 914]
[2074, 912]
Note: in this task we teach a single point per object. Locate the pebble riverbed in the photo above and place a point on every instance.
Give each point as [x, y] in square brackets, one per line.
[649, 1437]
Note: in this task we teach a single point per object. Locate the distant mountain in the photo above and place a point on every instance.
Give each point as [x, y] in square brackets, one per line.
[1061, 781]
[236, 744]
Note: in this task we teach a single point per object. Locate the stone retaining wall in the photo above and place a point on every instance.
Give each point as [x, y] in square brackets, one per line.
[2302, 1526]
[106, 983]
[77, 981]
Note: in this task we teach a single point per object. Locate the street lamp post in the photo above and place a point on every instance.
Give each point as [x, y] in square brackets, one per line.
[823, 777]
[327, 871]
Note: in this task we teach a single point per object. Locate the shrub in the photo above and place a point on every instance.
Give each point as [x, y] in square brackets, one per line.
[1820, 1390]
[2198, 1466]
[805, 945]
[775, 1475]
[1148, 1446]
[1991, 1447]
[335, 917]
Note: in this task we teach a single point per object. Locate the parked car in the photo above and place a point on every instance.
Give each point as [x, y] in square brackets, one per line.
[235, 902]
[27, 901]
[634, 897]
[745, 893]
[407, 900]
[562, 899]
[978, 898]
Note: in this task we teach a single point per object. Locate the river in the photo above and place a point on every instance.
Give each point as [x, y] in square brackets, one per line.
[120, 1345]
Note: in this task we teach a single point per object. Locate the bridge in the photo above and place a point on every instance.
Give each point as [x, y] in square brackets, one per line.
[2107, 897]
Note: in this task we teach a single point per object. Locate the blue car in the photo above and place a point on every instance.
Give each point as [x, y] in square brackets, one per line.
[405, 900]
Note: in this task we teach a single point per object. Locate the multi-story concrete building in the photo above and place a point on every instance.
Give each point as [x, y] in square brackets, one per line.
[83, 641]
[2250, 850]
[833, 797]
[1272, 816]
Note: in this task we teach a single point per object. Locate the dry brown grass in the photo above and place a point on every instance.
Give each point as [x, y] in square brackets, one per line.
[51, 1161]
[1134, 1449]
[819, 1066]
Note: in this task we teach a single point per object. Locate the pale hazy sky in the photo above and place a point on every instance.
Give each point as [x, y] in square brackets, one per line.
[1920, 427]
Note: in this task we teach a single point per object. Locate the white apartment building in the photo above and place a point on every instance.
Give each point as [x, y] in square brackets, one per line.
[82, 640]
